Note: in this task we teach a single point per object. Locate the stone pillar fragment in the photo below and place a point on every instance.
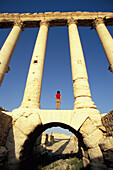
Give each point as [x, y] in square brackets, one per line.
[8, 48]
[34, 81]
[106, 40]
[81, 88]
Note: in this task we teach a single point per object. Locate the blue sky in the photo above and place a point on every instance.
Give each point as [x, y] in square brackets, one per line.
[57, 70]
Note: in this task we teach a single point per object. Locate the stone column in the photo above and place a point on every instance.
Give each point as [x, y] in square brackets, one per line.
[8, 48]
[32, 92]
[81, 88]
[106, 40]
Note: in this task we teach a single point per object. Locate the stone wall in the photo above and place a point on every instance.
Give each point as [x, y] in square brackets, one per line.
[5, 125]
[98, 149]
[107, 122]
[96, 143]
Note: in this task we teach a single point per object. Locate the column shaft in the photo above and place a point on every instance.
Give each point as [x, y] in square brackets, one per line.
[106, 40]
[8, 48]
[81, 88]
[34, 81]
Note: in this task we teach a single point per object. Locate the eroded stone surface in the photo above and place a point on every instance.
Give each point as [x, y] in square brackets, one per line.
[107, 121]
[59, 17]
[96, 155]
[93, 139]
[106, 143]
[87, 128]
[5, 125]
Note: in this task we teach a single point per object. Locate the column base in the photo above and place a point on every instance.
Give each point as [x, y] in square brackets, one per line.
[84, 102]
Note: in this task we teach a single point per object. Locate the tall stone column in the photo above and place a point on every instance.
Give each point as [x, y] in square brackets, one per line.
[32, 92]
[8, 48]
[106, 40]
[81, 88]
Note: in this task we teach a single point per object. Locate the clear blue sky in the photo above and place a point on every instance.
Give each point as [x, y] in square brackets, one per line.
[57, 59]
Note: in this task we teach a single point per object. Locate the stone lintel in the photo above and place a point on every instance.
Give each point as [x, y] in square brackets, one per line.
[73, 118]
[29, 20]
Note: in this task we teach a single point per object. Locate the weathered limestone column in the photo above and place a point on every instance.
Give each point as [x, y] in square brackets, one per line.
[34, 81]
[106, 40]
[8, 48]
[81, 88]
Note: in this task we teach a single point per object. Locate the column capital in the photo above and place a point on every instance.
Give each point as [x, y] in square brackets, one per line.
[110, 68]
[19, 23]
[97, 21]
[71, 21]
[43, 22]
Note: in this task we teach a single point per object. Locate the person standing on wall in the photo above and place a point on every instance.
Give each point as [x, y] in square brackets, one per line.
[58, 100]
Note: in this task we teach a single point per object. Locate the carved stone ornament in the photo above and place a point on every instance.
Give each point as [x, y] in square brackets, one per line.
[71, 21]
[19, 23]
[43, 22]
[97, 21]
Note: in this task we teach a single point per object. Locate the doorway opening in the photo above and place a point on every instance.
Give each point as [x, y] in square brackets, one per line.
[42, 150]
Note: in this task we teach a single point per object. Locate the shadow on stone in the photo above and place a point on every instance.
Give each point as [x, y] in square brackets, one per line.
[31, 159]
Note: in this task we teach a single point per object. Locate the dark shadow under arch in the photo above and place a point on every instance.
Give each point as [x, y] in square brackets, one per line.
[26, 158]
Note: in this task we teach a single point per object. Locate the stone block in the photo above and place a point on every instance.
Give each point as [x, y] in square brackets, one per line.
[95, 155]
[16, 114]
[95, 116]
[87, 128]
[19, 139]
[27, 125]
[93, 139]
[86, 162]
[24, 125]
[15, 142]
[5, 125]
[107, 121]
[78, 119]
[34, 119]
[102, 128]
[85, 153]
[106, 143]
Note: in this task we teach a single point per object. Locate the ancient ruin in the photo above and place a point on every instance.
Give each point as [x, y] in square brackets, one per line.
[20, 128]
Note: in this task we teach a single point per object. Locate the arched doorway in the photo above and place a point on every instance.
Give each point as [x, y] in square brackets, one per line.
[31, 159]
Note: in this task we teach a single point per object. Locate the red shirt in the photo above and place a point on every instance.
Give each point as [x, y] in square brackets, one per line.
[58, 96]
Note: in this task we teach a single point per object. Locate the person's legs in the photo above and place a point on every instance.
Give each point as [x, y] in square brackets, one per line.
[57, 104]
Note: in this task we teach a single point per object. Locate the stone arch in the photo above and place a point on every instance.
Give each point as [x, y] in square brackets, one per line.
[28, 124]
[26, 152]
